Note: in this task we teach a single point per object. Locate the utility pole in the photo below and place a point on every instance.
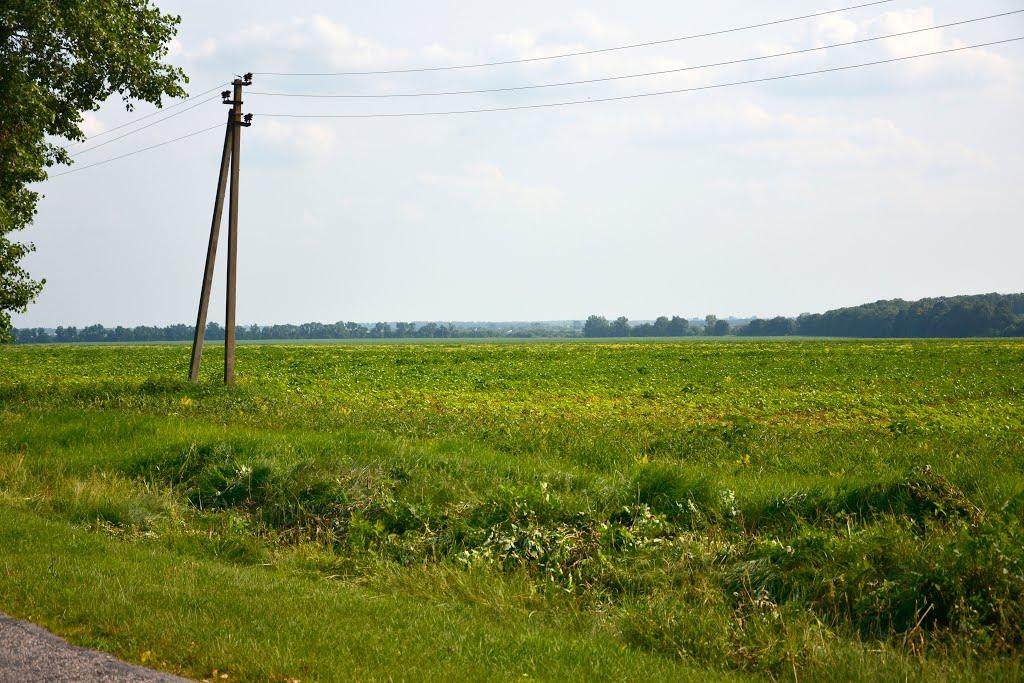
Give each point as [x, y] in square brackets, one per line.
[229, 157]
[229, 314]
[211, 256]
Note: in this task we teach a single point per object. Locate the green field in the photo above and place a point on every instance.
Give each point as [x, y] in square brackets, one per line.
[746, 510]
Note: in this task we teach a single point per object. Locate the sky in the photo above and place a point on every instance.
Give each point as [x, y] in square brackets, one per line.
[897, 180]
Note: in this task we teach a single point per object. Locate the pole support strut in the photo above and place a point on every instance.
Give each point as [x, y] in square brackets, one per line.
[229, 169]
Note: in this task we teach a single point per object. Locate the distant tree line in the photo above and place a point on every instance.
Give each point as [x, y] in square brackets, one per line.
[598, 326]
[339, 330]
[983, 315]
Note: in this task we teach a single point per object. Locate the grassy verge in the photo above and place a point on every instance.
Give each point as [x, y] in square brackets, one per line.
[154, 606]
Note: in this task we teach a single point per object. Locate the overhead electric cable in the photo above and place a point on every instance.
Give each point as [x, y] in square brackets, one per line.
[562, 104]
[138, 151]
[148, 125]
[640, 95]
[579, 53]
[638, 75]
[162, 110]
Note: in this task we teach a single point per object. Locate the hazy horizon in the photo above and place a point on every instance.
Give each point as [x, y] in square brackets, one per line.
[494, 322]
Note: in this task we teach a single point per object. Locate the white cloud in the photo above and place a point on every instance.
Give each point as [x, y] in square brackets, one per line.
[600, 30]
[439, 54]
[206, 49]
[852, 143]
[834, 28]
[766, 48]
[750, 129]
[410, 213]
[335, 45]
[487, 182]
[910, 20]
[976, 66]
[91, 124]
[521, 40]
[345, 48]
[332, 43]
[176, 50]
[311, 141]
[586, 31]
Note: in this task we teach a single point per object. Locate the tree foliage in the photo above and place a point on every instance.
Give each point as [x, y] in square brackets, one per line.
[982, 315]
[58, 59]
[598, 326]
[311, 330]
[987, 315]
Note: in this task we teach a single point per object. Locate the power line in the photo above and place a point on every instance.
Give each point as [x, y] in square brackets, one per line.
[164, 110]
[562, 104]
[138, 151]
[640, 95]
[639, 75]
[582, 52]
[148, 125]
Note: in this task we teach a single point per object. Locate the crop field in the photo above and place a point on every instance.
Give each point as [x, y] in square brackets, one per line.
[690, 510]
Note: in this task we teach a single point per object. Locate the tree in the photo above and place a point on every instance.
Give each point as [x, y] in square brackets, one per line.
[66, 335]
[214, 332]
[57, 60]
[643, 330]
[621, 328]
[597, 326]
[779, 326]
[92, 333]
[428, 331]
[678, 327]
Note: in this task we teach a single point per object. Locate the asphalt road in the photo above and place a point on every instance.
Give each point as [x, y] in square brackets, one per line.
[29, 654]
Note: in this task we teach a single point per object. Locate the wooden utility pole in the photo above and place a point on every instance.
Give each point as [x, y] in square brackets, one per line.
[211, 255]
[229, 314]
[229, 156]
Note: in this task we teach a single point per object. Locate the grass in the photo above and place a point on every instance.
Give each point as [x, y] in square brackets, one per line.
[201, 616]
[803, 510]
